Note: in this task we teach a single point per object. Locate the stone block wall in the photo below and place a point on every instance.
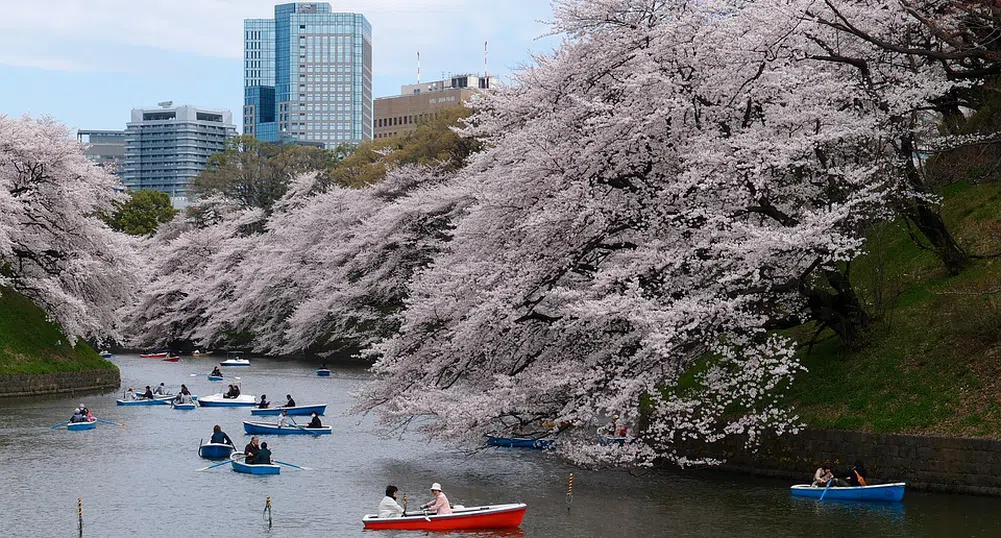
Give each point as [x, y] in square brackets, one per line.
[926, 463]
[59, 382]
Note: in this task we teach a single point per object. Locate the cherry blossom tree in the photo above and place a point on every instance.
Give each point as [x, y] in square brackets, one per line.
[672, 184]
[53, 247]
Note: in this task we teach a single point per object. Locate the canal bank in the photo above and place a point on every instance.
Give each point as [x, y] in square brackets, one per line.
[37, 358]
[926, 463]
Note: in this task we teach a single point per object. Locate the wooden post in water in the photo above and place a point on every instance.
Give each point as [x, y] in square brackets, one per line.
[79, 513]
[569, 491]
[267, 508]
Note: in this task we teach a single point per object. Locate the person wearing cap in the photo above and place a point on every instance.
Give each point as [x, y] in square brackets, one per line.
[315, 422]
[439, 505]
[290, 402]
[389, 507]
[77, 416]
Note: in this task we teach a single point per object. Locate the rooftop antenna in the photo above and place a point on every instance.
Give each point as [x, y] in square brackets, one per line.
[486, 77]
[418, 67]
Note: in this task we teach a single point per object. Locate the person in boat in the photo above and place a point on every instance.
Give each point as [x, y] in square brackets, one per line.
[148, 395]
[87, 415]
[251, 450]
[131, 394]
[290, 402]
[229, 392]
[216, 372]
[285, 420]
[236, 391]
[439, 505]
[160, 390]
[315, 422]
[388, 507]
[219, 437]
[857, 475]
[77, 416]
[264, 402]
[324, 367]
[184, 390]
[263, 456]
[823, 475]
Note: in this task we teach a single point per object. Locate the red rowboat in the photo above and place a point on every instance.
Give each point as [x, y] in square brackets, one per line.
[175, 358]
[498, 516]
[161, 355]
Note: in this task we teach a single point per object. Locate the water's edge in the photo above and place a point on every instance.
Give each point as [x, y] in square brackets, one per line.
[19, 385]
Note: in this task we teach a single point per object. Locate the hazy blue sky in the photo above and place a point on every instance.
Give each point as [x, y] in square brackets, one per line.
[88, 62]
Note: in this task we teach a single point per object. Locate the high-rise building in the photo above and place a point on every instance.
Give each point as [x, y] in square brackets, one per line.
[308, 76]
[168, 146]
[400, 114]
[106, 148]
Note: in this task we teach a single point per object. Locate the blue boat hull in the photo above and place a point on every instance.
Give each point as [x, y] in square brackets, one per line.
[520, 442]
[273, 429]
[298, 411]
[154, 401]
[185, 406]
[881, 492]
[323, 373]
[77, 426]
[241, 467]
[215, 451]
[215, 377]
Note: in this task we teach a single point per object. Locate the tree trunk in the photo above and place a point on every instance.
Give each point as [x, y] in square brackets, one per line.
[840, 309]
[928, 220]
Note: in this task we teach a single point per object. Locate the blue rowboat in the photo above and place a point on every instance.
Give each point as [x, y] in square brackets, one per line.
[881, 492]
[215, 451]
[273, 429]
[157, 400]
[323, 372]
[76, 426]
[217, 400]
[235, 362]
[521, 442]
[297, 411]
[106, 354]
[214, 377]
[241, 467]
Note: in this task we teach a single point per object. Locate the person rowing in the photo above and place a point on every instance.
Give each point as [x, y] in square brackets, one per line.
[219, 437]
[148, 395]
[251, 450]
[290, 402]
[131, 394]
[823, 475]
[263, 455]
[264, 402]
[216, 372]
[284, 420]
[439, 505]
[160, 390]
[389, 507]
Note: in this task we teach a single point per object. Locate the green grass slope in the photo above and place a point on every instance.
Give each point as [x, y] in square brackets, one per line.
[934, 365]
[31, 344]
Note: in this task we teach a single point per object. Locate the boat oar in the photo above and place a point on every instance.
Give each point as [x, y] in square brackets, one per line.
[214, 465]
[294, 466]
[110, 422]
[54, 426]
[825, 489]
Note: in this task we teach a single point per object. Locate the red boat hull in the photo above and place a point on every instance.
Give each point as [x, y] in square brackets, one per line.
[499, 519]
[171, 359]
[153, 356]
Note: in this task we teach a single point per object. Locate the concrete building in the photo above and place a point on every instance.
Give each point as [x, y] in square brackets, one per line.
[308, 76]
[400, 114]
[106, 148]
[168, 146]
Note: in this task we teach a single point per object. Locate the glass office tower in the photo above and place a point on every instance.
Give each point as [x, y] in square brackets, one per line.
[308, 76]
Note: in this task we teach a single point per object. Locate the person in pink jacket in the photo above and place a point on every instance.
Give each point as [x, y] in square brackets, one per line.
[439, 505]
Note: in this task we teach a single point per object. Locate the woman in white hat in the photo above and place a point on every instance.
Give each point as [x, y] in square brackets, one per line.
[439, 505]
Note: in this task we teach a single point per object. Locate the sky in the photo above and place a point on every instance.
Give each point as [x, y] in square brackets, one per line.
[87, 63]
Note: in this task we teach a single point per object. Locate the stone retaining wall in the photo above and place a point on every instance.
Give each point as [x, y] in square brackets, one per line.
[926, 463]
[59, 382]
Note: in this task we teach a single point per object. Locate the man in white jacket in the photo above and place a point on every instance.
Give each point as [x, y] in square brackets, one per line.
[389, 507]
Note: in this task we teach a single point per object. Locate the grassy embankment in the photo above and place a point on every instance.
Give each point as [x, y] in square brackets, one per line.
[31, 344]
[934, 364]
